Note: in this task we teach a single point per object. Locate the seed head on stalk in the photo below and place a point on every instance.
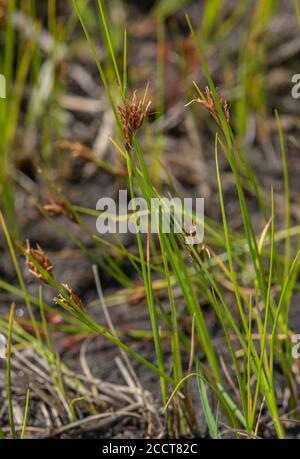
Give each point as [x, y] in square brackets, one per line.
[41, 259]
[208, 102]
[66, 301]
[132, 114]
[58, 207]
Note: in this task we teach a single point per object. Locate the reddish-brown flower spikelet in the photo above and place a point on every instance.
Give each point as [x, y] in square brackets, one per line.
[59, 208]
[191, 241]
[39, 256]
[208, 102]
[132, 116]
[66, 301]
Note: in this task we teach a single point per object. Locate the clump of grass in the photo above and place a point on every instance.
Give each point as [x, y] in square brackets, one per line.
[255, 361]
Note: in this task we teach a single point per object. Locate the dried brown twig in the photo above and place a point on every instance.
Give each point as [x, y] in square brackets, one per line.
[50, 412]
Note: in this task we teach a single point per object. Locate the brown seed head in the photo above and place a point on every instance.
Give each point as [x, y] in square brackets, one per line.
[193, 244]
[77, 150]
[66, 301]
[39, 256]
[132, 116]
[56, 207]
[209, 103]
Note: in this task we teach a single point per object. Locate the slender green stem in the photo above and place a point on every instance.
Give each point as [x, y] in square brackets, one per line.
[8, 373]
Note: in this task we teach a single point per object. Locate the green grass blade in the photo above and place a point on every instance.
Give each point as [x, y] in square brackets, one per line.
[8, 374]
[209, 417]
[25, 415]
